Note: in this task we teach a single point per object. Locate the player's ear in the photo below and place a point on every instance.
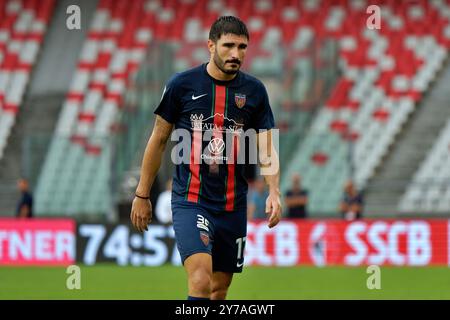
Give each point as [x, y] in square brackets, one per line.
[211, 46]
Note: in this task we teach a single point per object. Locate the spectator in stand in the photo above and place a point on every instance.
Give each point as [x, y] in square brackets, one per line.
[163, 205]
[257, 196]
[25, 204]
[296, 199]
[351, 206]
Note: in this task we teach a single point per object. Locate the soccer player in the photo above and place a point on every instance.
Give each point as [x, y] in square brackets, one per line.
[209, 197]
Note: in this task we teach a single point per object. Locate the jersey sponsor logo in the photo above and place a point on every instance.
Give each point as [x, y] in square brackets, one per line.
[201, 124]
[198, 97]
[207, 126]
[205, 238]
[216, 146]
[240, 100]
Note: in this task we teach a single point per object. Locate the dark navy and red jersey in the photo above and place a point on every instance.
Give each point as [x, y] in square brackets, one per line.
[215, 113]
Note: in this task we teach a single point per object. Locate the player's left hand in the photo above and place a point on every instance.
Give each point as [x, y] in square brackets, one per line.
[273, 208]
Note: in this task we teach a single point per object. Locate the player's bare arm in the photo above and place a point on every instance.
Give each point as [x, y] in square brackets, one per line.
[270, 170]
[141, 209]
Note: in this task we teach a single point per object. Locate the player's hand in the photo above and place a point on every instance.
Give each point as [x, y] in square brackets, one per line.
[273, 208]
[141, 214]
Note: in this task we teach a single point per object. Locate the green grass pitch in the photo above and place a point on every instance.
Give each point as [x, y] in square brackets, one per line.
[168, 282]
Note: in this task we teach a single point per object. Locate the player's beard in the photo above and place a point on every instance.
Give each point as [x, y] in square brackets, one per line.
[221, 64]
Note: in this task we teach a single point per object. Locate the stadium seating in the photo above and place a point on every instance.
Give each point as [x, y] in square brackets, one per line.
[384, 75]
[429, 190]
[22, 27]
[78, 162]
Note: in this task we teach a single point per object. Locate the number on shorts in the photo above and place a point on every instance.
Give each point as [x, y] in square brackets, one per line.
[241, 245]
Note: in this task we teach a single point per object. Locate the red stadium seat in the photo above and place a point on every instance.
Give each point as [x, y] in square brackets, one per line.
[387, 70]
[22, 26]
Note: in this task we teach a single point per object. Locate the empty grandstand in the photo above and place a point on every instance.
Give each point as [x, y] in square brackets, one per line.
[350, 102]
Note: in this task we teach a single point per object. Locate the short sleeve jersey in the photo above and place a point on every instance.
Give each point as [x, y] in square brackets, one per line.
[210, 118]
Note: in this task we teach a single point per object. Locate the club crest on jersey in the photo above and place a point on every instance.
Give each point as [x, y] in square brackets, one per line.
[205, 238]
[239, 99]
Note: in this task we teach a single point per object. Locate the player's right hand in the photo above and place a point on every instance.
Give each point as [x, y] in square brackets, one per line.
[141, 214]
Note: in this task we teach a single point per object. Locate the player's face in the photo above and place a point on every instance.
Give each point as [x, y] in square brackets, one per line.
[229, 52]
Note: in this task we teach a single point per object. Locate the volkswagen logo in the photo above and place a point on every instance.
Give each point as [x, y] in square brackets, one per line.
[216, 146]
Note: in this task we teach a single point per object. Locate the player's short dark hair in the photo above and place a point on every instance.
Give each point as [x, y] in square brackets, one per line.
[226, 25]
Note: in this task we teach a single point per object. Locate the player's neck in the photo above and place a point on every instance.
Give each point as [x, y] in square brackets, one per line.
[218, 74]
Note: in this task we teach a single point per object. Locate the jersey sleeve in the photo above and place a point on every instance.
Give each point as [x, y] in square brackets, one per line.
[263, 116]
[169, 105]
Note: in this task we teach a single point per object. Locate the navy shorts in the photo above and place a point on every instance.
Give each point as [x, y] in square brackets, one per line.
[220, 234]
